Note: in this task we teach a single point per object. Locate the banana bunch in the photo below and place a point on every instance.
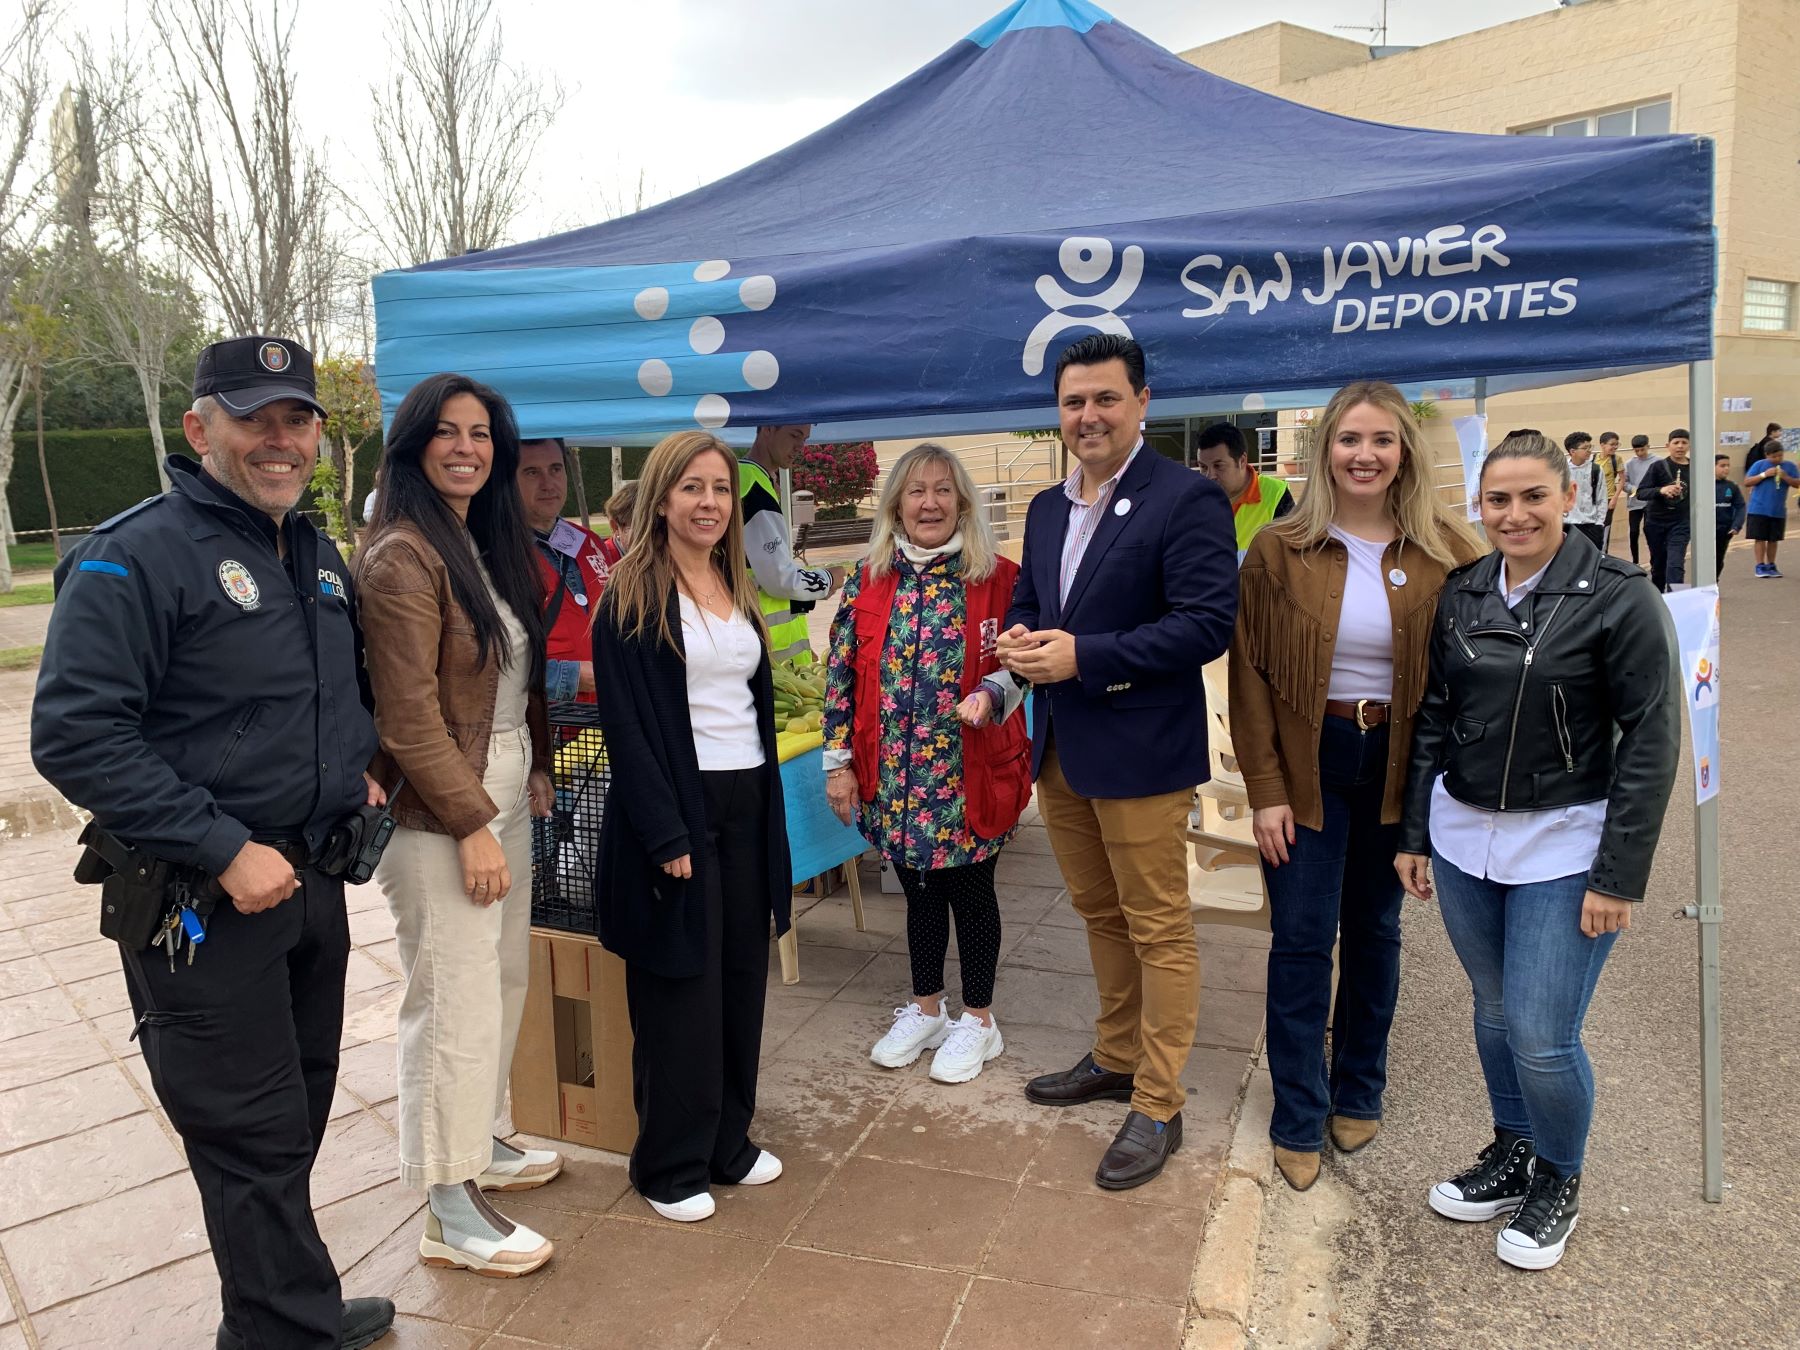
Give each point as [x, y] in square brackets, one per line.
[799, 698]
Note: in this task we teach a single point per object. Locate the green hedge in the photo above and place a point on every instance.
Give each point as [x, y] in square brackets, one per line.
[97, 474]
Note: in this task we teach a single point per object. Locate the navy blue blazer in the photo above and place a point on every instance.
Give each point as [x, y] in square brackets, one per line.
[1154, 600]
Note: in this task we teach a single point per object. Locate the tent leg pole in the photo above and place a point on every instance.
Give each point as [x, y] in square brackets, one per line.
[1481, 396]
[1707, 908]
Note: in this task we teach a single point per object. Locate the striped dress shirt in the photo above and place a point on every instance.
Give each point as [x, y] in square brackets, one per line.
[1084, 519]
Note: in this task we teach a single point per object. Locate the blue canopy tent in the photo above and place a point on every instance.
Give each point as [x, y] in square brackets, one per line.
[913, 267]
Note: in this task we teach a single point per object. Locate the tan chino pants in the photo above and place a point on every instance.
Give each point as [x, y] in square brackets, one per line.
[1124, 861]
[466, 967]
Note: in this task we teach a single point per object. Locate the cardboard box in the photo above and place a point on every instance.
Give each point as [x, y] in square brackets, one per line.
[571, 1072]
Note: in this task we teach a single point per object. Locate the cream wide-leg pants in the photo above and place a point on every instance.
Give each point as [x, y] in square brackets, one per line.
[466, 967]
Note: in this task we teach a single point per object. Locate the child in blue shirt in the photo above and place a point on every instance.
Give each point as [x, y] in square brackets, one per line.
[1728, 500]
[1766, 524]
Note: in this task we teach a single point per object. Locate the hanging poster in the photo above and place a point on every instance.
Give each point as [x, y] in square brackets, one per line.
[1697, 634]
[1471, 438]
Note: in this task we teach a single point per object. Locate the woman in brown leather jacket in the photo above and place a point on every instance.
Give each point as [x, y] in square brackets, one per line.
[455, 654]
[1327, 668]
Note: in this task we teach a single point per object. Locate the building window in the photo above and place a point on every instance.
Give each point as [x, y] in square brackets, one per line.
[1768, 306]
[1646, 119]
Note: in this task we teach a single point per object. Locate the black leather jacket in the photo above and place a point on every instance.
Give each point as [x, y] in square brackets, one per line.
[1571, 697]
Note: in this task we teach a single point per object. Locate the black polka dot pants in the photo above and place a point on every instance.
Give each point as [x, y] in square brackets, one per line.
[930, 899]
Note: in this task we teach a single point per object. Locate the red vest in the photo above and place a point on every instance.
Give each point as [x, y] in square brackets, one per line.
[996, 757]
[568, 639]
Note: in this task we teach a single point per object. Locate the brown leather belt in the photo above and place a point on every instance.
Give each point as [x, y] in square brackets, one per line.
[1363, 712]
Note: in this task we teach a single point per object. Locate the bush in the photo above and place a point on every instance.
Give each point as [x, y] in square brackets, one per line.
[95, 475]
[837, 474]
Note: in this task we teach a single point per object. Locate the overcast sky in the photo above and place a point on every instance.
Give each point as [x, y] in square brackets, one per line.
[685, 91]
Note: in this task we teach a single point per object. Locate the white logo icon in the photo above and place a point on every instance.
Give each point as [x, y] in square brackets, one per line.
[1085, 261]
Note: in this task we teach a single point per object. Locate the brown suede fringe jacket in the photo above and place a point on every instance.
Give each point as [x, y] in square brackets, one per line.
[1289, 599]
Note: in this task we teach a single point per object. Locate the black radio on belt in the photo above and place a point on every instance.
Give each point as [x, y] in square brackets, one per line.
[356, 844]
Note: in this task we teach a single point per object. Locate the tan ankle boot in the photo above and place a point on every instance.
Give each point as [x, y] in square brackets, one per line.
[1299, 1170]
[1350, 1134]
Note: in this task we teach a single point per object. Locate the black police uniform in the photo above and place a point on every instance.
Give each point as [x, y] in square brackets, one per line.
[199, 690]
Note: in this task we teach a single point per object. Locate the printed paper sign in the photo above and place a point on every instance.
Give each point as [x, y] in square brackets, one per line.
[1734, 438]
[1471, 438]
[1697, 634]
[1737, 405]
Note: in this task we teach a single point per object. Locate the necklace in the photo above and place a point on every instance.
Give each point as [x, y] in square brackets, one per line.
[708, 598]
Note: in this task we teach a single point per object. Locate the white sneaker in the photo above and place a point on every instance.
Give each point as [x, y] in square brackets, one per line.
[691, 1210]
[764, 1170]
[914, 1032]
[970, 1044]
[519, 1169]
[520, 1252]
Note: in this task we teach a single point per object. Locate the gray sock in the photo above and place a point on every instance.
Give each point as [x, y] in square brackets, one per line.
[505, 1153]
[463, 1211]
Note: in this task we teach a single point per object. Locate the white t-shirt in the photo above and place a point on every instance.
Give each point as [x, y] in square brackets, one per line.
[1590, 493]
[722, 656]
[1362, 656]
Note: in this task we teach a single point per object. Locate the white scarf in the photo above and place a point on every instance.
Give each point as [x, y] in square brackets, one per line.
[920, 557]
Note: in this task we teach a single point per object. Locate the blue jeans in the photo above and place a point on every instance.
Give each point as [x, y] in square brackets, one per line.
[1533, 973]
[1337, 886]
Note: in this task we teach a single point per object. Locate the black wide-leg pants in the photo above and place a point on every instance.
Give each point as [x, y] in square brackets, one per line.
[697, 1041]
[242, 1048]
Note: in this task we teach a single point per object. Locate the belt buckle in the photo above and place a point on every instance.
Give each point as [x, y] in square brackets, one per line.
[1362, 723]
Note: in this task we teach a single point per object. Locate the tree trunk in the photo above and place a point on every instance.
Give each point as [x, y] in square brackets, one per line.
[345, 464]
[147, 386]
[44, 469]
[581, 500]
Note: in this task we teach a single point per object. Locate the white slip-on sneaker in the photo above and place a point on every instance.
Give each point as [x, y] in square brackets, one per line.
[970, 1044]
[520, 1252]
[691, 1210]
[764, 1170]
[519, 1169]
[914, 1032]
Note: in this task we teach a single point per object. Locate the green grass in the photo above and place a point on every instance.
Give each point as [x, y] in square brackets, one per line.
[37, 556]
[37, 593]
[20, 658]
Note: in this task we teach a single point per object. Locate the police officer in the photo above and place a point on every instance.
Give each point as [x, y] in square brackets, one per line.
[200, 694]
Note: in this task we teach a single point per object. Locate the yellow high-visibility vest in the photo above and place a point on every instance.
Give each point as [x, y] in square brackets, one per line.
[788, 640]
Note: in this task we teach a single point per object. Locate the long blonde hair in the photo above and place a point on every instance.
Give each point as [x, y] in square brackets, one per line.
[1421, 517]
[977, 533]
[638, 592]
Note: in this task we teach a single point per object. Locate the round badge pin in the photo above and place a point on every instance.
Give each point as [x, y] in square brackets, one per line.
[581, 600]
[1397, 577]
[274, 357]
[1122, 506]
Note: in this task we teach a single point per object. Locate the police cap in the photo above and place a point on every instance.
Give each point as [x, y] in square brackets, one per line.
[246, 373]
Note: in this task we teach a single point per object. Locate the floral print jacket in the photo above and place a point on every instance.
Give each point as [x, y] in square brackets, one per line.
[916, 818]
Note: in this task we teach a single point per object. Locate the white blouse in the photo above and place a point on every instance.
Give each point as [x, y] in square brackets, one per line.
[1362, 655]
[722, 656]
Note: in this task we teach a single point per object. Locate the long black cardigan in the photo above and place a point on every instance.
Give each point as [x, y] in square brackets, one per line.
[656, 809]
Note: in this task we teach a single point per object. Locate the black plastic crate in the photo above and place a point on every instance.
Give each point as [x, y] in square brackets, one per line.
[565, 846]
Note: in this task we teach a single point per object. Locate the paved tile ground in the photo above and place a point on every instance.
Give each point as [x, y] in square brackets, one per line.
[910, 1214]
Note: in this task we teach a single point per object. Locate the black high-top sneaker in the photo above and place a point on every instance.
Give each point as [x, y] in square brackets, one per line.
[1535, 1238]
[1495, 1185]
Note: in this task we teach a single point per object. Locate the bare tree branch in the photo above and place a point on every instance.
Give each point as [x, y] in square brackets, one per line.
[455, 130]
[229, 176]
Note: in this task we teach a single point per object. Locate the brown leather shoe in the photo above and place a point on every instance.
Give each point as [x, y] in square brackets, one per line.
[1083, 1083]
[1137, 1152]
[1350, 1134]
[1299, 1170]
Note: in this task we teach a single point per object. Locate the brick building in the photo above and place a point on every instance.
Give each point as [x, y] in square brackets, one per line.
[1727, 69]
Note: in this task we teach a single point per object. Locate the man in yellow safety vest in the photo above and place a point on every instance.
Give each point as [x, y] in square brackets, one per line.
[788, 591]
[1256, 498]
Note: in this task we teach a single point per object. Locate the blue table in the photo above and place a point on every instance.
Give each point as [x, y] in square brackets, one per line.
[818, 841]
